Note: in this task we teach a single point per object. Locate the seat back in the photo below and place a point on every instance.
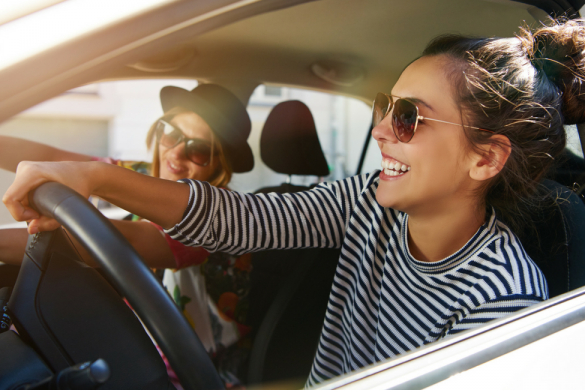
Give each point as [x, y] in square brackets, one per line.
[556, 238]
[290, 288]
[288, 336]
[289, 143]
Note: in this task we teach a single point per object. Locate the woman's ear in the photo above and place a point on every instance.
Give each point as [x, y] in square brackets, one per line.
[491, 157]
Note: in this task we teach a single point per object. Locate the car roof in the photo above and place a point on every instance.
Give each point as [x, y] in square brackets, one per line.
[374, 38]
[357, 47]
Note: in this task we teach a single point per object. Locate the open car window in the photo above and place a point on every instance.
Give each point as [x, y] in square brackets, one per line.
[108, 119]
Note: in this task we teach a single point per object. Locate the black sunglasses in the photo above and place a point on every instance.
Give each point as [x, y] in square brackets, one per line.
[405, 116]
[196, 149]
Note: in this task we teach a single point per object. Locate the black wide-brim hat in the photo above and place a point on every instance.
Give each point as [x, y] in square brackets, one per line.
[223, 112]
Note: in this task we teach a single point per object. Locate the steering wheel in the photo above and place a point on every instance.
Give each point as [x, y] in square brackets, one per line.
[131, 277]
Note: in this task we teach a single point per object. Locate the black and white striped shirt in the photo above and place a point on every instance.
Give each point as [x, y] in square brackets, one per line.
[383, 301]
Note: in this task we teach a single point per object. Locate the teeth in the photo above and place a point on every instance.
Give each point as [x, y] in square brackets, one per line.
[394, 168]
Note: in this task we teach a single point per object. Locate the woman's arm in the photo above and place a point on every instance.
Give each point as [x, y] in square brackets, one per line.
[221, 220]
[492, 310]
[158, 200]
[209, 217]
[148, 241]
[14, 150]
[12, 245]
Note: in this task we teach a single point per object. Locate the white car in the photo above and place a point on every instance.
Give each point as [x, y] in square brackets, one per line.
[66, 315]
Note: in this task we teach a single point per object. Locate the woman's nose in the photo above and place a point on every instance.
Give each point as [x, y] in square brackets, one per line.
[383, 131]
[178, 150]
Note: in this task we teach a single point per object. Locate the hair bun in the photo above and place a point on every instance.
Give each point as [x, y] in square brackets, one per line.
[559, 52]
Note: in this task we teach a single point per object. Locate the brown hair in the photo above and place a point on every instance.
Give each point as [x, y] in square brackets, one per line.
[220, 177]
[524, 88]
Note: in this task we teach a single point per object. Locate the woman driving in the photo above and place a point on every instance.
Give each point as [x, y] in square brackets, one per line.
[427, 243]
[202, 136]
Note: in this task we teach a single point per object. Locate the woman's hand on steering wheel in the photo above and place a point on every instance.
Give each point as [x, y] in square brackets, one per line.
[29, 175]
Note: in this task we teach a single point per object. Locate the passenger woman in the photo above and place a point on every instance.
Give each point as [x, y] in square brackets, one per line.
[202, 135]
[428, 248]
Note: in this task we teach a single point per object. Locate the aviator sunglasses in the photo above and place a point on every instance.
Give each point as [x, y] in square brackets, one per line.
[197, 150]
[405, 116]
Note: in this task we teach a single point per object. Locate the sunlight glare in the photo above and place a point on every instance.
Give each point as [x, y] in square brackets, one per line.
[49, 27]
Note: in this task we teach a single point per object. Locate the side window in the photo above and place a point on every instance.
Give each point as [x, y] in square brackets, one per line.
[342, 125]
[103, 119]
[111, 119]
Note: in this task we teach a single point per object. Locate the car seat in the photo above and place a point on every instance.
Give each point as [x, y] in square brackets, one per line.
[289, 288]
[554, 237]
[289, 144]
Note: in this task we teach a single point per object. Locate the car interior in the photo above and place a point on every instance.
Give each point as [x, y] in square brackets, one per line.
[339, 46]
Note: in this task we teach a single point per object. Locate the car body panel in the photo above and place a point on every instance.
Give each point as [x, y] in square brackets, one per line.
[242, 44]
[439, 361]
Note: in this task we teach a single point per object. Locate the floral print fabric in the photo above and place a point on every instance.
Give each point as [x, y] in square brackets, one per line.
[212, 291]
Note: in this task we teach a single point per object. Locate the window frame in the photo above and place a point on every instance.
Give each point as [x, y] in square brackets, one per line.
[440, 360]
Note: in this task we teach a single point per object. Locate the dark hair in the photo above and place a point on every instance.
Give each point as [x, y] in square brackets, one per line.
[524, 88]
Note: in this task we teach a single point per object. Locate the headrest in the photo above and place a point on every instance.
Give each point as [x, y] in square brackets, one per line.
[289, 143]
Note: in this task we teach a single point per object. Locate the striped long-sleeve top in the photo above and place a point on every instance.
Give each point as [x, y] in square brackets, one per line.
[383, 302]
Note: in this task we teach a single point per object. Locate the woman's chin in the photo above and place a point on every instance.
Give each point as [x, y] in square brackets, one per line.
[388, 199]
[384, 200]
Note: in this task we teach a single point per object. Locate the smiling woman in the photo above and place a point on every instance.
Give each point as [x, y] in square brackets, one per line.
[202, 136]
[425, 253]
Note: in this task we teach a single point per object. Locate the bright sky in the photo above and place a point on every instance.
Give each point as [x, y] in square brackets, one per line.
[58, 23]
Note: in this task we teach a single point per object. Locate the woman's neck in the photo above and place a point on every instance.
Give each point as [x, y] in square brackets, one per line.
[437, 235]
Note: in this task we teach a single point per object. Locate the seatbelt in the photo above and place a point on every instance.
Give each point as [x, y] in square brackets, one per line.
[581, 132]
[364, 151]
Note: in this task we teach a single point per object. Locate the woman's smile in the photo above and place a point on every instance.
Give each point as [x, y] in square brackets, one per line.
[174, 168]
[392, 168]
[174, 164]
